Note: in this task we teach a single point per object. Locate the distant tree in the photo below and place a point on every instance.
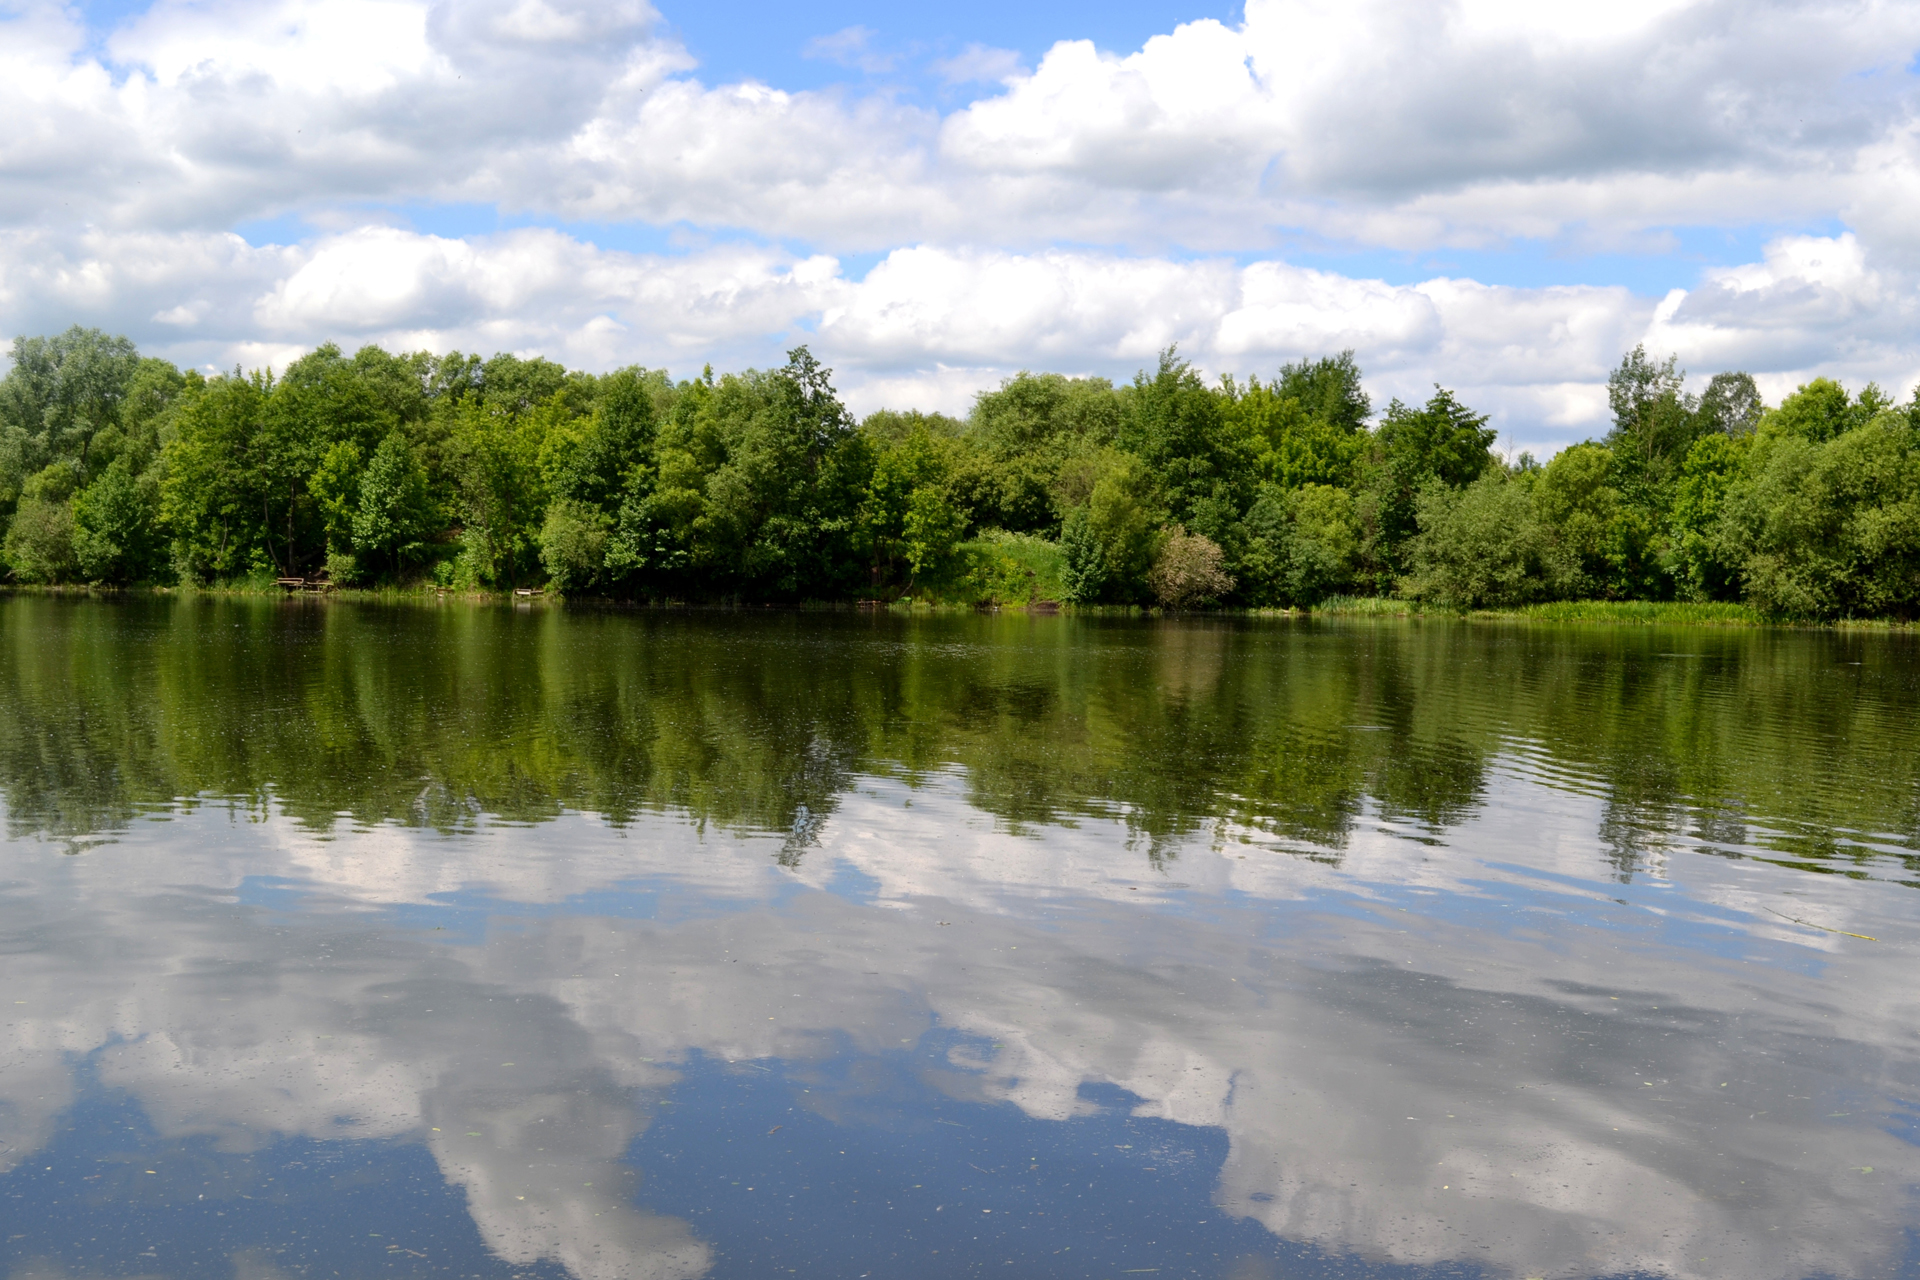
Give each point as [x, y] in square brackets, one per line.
[1328, 389]
[1482, 545]
[211, 493]
[114, 535]
[1823, 528]
[1731, 404]
[1443, 441]
[393, 516]
[1302, 545]
[1654, 421]
[39, 542]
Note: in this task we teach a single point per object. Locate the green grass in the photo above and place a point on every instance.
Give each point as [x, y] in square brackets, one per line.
[1664, 613]
[1369, 607]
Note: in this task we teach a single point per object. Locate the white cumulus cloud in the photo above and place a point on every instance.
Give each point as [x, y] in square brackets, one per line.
[1081, 214]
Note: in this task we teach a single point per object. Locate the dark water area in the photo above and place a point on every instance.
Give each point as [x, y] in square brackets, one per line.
[340, 939]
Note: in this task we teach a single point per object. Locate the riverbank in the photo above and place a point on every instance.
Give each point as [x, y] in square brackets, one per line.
[1660, 613]
[1650, 613]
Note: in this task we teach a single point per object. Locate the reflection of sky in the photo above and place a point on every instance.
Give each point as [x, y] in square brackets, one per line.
[561, 1046]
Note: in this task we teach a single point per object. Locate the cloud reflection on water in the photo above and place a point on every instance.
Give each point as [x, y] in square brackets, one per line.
[1512, 1072]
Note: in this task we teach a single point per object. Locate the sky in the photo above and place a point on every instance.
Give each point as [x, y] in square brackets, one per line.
[1495, 196]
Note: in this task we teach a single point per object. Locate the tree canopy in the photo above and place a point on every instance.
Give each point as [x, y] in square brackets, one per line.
[501, 472]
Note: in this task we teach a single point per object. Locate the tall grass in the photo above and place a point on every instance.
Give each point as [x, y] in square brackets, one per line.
[1610, 612]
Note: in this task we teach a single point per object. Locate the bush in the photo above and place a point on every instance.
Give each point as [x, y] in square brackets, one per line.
[39, 546]
[573, 545]
[1831, 529]
[1302, 545]
[1188, 571]
[1482, 546]
[39, 542]
[1007, 569]
[113, 527]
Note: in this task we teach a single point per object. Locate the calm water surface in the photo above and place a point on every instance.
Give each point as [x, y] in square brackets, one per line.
[346, 940]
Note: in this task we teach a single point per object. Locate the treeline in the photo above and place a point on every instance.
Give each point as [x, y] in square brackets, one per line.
[496, 473]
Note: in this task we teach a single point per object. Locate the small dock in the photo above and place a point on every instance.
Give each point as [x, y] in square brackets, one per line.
[291, 585]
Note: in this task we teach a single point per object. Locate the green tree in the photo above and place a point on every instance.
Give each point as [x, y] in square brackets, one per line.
[1109, 543]
[63, 391]
[1821, 410]
[115, 539]
[1024, 432]
[1179, 428]
[211, 495]
[1582, 510]
[39, 542]
[1442, 441]
[1654, 421]
[323, 399]
[910, 518]
[494, 455]
[1731, 405]
[393, 515]
[335, 486]
[1713, 466]
[573, 545]
[1482, 545]
[1302, 545]
[1829, 528]
[1309, 423]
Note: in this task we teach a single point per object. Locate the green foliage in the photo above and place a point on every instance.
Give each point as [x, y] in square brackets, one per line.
[1308, 425]
[1654, 421]
[494, 451]
[114, 535]
[1302, 545]
[1109, 542]
[1731, 405]
[394, 515]
[210, 496]
[1178, 428]
[384, 468]
[1441, 442]
[1821, 410]
[912, 519]
[1482, 546]
[1025, 433]
[1823, 529]
[1083, 561]
[39, 542]
[573, 545]
[1713, 466]
[64, 391]
[1604, 542]
[1008, 569]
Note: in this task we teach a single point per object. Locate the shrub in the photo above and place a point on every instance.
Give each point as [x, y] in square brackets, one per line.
[39, 542]
[573, 544]
[1482, 546]
[113, 527]
[1188, 571]
[1302, 545]
[1830, 529]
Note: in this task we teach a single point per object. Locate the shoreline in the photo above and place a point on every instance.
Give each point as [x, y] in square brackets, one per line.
[1616, 613]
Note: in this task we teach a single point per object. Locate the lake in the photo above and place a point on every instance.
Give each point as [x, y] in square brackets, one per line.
[349, 939]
